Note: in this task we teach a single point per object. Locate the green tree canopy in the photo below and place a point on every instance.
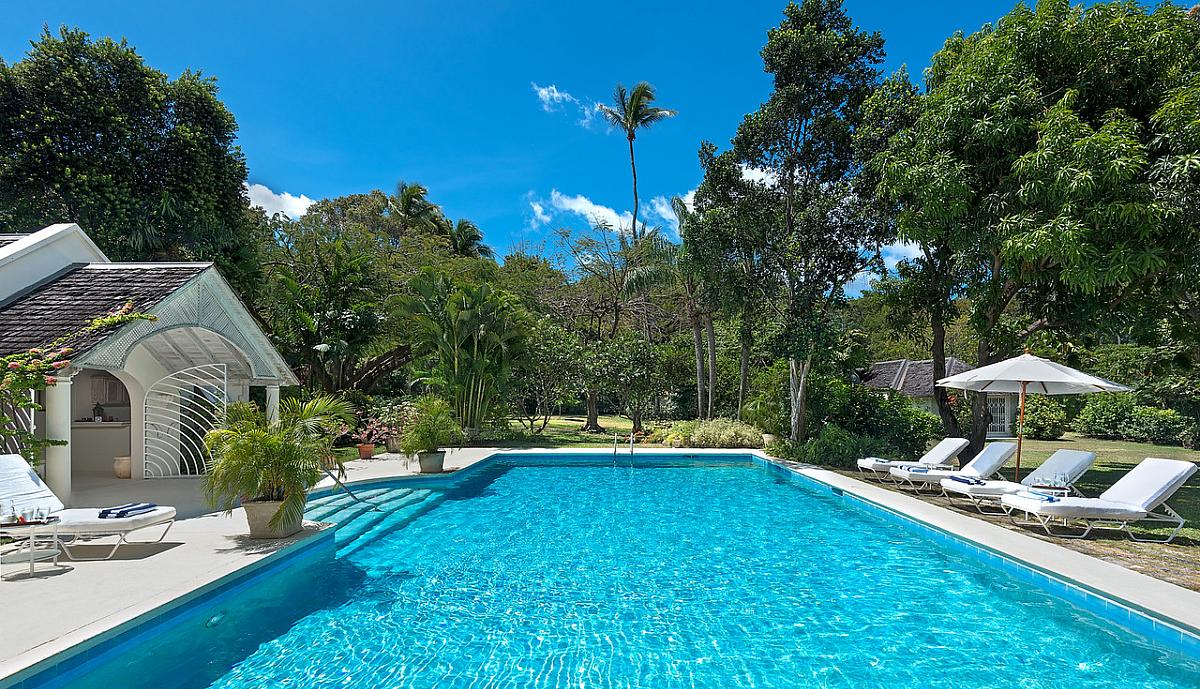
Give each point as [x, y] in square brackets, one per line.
[148, 165]
[1055, 164]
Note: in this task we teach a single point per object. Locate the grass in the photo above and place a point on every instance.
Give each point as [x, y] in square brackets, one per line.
[563, 431]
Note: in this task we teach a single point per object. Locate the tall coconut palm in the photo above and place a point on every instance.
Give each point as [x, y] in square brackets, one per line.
[629, 112]
[412, 209]
[466, 239]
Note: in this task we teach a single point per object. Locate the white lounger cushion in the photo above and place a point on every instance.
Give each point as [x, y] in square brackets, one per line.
[85, 521]
[1144, 488]
[20, 485]
[986, 463]
[1087, 508]
[993, 488]
[1150, 483]
[942, 453]
[1073, 463]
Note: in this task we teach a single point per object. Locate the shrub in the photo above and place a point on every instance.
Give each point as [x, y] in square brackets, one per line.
[1104, 416]
[1045, 418]
[722, 433]
[1151, 424]
[834, 447]
[725, 433]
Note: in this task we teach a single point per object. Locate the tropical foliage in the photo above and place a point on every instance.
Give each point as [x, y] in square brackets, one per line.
[470, 337]
[257, 459]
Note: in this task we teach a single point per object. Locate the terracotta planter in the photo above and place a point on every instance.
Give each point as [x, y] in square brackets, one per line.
[393, 444]
[258, 514]
[431, 462]
[366, 450]
[122, 467]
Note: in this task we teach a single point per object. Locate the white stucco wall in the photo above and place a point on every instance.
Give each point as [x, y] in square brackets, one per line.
[32, 259]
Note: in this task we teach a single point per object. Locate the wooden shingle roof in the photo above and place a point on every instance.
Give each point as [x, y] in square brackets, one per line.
[912, 378]
[67, 302]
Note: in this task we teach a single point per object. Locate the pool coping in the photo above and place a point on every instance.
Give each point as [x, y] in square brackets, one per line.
[1150, 607]
[74, 648]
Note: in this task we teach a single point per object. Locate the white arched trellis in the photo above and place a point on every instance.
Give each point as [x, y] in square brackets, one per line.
[179, 409]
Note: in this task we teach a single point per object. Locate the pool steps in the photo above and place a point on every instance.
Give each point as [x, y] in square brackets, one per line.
[359, 523]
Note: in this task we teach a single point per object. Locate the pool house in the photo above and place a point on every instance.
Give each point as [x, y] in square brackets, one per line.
[136, 402]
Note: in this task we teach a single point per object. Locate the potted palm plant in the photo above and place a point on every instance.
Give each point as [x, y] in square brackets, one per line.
[432, 429]
[269, 466]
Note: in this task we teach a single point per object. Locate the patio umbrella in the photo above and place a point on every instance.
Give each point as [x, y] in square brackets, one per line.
[1029, 373]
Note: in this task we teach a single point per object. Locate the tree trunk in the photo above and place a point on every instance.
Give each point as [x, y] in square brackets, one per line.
[633, 167]
[712, 361]
[698, 341]
[746, 335]
[980, 417]
[797, 392]
[592, 425]
[636, 418]
[940, 395]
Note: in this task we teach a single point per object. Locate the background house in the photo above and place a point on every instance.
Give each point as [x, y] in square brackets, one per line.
[914, 379]
[149, 390]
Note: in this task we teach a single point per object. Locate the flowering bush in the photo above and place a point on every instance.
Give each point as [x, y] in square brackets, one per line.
[370, 432]
[396, 417]
[37, 369]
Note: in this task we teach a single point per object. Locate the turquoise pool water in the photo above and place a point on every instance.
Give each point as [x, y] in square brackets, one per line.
[716, 573]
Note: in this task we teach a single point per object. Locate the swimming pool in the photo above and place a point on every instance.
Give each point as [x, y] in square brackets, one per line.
[565, 572]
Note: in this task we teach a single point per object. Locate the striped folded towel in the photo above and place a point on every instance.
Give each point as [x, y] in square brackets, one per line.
[970, 481]
[130, 510]
[104, 513]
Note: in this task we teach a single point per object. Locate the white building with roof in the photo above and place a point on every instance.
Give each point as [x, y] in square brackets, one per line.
[148, 390]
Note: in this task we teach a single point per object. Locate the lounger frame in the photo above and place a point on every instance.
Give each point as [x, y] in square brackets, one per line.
[68, 541]
[1163, 513]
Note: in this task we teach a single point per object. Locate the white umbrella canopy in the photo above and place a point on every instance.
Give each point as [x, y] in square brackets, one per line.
[1029, 373]
[1032, 373]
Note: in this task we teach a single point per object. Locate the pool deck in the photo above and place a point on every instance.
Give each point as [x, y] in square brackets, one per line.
[63, 608]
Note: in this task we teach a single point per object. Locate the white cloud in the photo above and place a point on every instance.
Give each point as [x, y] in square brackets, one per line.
[551, 97]
[272, 203]
[899, 251]
[755, 174]
[540, 216]
[594, 212]
[554, 99]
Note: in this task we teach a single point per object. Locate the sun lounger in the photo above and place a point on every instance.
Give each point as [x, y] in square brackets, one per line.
[1066, 464]
[983, 466]
[1138, 496]
[21, 487]
[942, 454]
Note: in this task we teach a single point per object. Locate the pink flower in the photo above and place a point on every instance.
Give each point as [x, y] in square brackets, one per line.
[61, 364]
[51, 380]
[35, 351]
[12, 366]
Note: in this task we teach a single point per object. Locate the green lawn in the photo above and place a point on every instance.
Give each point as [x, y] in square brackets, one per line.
[1113, 459]
[563, 431]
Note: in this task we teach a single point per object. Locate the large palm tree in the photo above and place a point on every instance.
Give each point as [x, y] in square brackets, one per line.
[466, 239]
[629, 112]
[412, 209]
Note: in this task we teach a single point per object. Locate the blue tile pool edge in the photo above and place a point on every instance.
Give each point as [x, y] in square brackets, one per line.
[1148, 624]
[68, 664]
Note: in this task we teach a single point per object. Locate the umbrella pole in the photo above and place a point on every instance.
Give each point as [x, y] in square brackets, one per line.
[1020, 430]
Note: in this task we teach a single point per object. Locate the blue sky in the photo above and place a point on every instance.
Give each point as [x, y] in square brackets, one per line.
[485, 103]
